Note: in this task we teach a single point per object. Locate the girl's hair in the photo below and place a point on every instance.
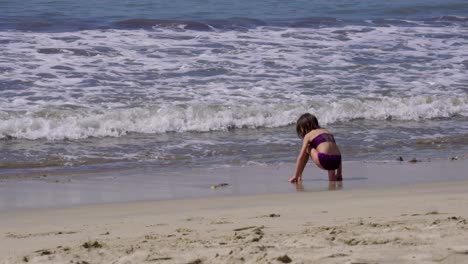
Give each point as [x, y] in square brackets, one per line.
[306, 123]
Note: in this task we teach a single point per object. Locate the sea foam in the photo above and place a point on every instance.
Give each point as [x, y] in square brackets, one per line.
[83, 123]
[99, 83]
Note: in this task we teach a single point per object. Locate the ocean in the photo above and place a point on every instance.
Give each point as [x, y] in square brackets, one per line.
[164, 85]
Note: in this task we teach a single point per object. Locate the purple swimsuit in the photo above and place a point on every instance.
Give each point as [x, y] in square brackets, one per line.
[328, 162]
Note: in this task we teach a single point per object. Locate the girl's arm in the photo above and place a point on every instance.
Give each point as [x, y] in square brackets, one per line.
[301, 161]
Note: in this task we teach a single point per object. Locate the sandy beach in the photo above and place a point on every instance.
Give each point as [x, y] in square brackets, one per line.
[414, 223]
[166, 131]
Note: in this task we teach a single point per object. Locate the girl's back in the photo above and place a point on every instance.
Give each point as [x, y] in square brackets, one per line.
[323, 141]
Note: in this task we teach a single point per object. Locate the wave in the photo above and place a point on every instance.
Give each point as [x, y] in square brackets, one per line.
[59, 124]
[202, 25]
[315, 21]
[245, 23]
[414, 9]
[55, 161]
[234, 23]
[449, 18]
[444, 141]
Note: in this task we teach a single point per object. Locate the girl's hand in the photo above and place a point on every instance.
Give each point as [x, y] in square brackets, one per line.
[295, 179]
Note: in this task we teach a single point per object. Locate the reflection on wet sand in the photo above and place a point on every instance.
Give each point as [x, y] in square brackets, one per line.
[332, 186]
[335, 185]
[299, 186]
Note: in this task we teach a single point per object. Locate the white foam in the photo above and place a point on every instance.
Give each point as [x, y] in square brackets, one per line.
[117, 122]
[267, 77]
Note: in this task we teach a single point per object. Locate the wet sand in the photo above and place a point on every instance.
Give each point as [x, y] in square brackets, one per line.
[43, 190]
[410, 223]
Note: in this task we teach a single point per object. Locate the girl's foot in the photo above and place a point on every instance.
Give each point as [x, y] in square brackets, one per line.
[339, 177]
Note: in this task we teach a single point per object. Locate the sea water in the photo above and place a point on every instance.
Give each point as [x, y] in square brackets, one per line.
[171, 84]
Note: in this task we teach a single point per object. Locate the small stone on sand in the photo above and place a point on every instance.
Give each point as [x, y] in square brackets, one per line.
[460, 249]
[94, 244]
[284, 259]
[244, 228]
[197, 261]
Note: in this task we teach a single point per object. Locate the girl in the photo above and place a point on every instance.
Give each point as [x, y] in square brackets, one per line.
[320, 145]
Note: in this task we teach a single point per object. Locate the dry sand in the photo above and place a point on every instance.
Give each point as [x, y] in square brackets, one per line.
[426, 223]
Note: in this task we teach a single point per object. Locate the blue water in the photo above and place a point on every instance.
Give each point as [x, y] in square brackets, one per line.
[117, 84]
[89, 14]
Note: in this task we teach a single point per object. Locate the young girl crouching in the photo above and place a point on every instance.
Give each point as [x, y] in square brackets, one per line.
[320, 145]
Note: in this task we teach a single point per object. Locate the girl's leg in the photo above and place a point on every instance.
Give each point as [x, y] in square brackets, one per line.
[331, 175]
[314, 156]
[339, 173]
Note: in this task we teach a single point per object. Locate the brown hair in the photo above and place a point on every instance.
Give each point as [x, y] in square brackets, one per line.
[306, 123]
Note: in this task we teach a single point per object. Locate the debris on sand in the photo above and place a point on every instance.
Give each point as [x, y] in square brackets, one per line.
[90, 245]
[45, 253]
[216, 186]
[269, 215]
[244, 228]
[284, 259]
[197, 261]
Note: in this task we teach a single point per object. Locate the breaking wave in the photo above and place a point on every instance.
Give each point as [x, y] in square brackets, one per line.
[57, 124]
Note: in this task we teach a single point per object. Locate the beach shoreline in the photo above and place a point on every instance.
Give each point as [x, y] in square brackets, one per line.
[44, 190]
[416, 222]
[420, 223]
[166, 131]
